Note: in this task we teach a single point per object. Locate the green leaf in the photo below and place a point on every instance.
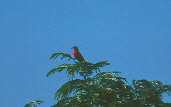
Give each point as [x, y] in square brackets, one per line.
[64, 55]
[101, 64]
[70, 87]
[60, 68]
[34, 103]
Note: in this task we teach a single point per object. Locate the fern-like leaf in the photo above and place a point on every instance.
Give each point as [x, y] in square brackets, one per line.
[69, 87]
[58, 69]
[33, 103]
[102, 64]
[64, 55]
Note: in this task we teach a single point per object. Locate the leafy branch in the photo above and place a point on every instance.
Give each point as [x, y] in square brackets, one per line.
[33, 103]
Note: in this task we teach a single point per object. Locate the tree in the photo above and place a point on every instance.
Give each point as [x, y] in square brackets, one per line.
[104, 89]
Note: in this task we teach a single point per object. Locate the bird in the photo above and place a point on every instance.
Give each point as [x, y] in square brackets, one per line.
[77, 54]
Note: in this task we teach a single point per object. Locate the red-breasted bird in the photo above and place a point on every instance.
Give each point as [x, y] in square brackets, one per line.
[77, 54]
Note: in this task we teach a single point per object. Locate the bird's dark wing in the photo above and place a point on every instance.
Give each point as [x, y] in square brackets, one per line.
[80, 57]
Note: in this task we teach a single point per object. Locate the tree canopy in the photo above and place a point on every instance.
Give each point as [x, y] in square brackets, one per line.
[88, 86]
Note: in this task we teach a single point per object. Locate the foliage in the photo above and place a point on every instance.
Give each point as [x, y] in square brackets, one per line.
[33, 103]
[103, 89]
[64, 55]
[82, 68]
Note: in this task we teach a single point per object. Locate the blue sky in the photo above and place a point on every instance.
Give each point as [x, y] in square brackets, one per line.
[134, 35]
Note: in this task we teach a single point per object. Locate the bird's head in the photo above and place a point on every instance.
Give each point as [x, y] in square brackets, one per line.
[75, 48]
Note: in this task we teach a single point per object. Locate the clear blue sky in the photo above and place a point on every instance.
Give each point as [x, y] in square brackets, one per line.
[134, 35]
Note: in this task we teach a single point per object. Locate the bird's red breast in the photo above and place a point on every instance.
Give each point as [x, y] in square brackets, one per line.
[75, 53]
